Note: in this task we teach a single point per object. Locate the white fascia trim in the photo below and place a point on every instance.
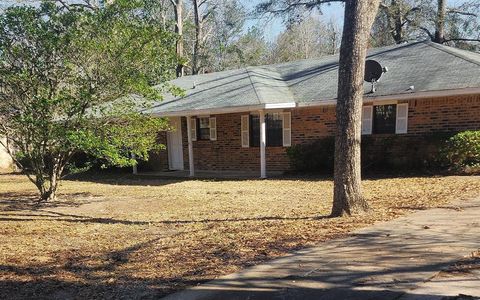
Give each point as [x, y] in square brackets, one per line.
[393, 98]
[226, 110]
[280, 105]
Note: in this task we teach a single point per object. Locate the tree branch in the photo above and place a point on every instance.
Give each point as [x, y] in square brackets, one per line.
[462, 39]
[461, 12]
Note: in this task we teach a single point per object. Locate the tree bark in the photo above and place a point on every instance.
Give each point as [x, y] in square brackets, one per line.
[178, 8]
[48, 189]
[198, 37]
[440, 22]
[398, 16]
[359, 17]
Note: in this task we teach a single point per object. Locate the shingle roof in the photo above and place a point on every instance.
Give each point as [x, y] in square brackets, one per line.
[424, 65]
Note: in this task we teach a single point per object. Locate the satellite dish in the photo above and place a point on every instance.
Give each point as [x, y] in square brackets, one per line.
[373, 72]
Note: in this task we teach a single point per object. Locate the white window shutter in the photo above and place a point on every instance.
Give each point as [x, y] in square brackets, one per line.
[287, 129]
[213, 129]
[245, 131]
[367, 119]
[402, 118]
[193, 128]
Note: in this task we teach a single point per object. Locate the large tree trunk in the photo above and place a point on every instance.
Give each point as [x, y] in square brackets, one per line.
[178, 8]
[359, 17]
[440, 22]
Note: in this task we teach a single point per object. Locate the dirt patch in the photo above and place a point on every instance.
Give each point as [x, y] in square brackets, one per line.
[133, 238]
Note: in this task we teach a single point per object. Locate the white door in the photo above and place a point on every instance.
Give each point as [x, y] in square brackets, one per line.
[174, 145]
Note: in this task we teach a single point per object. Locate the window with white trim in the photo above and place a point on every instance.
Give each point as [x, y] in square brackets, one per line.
[203, 125]
[277, 135]
[385, 119]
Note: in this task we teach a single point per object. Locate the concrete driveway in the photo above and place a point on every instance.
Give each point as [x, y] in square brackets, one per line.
[399, 259]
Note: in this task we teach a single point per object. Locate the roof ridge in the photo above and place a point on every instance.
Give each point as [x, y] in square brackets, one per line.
[275, 81]
[455, 53]
[253, 85]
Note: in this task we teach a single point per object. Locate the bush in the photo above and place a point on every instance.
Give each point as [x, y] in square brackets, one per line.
[384, 153]
[316, 157]
[462, 151]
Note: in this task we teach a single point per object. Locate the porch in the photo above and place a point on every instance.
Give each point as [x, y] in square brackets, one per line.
[235, 145]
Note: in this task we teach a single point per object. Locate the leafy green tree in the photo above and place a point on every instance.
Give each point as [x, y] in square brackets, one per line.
[75, 79]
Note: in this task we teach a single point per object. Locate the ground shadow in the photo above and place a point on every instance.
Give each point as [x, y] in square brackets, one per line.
[126, 179]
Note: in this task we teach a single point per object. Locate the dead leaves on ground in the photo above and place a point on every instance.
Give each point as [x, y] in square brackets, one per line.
[127, 238]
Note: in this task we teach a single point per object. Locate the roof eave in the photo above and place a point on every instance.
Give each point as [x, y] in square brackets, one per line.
[397, 97]
[225, 110]
[324, 102]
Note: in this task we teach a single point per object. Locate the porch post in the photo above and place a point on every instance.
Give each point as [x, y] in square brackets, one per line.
[190, 147]
[263, 144]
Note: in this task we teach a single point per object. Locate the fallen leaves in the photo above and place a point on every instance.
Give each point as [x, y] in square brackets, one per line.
[131, 237]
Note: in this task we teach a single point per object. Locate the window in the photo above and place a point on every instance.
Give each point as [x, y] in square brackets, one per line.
[274, 130]
[254, 131]
[384, 119]
[203, 125]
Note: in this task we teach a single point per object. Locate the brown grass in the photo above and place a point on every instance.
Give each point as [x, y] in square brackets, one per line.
[142, 238]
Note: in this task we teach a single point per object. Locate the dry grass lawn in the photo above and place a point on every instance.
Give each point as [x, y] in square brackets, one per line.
[126, 237]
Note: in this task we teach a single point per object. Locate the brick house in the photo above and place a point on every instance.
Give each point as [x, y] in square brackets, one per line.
[245, 119]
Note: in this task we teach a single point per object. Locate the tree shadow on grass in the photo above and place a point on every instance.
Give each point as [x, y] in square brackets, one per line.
[14, 201]
[126, 179]
[76, 277]
[48, 215]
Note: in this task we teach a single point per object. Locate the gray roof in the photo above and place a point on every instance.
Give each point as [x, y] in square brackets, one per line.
[424, 65]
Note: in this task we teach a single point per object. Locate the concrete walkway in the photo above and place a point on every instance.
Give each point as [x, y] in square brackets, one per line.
[390, 260]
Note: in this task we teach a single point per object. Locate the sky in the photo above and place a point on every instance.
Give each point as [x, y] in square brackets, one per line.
[274, 26]
[332, 11]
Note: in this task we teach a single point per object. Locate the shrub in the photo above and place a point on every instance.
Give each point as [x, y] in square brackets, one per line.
[315, 157]
[462, 151]
[384, 153]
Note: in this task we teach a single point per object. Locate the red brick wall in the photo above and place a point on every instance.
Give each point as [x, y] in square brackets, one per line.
[444, 114]
[226, 153]
[308, 124]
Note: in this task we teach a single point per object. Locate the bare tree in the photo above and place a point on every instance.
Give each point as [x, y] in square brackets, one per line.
[178, 9]
[201, 13]
[309, 38]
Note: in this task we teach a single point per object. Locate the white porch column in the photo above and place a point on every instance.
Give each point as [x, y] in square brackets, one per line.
[263, 144]
[191, 166]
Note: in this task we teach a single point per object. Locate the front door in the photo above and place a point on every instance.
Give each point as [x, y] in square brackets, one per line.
[174, 145]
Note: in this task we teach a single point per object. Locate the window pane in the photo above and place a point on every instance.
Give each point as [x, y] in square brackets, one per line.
[384, 118]
[204, 123]
[204, 128]
[254, 131]
[274, 130]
